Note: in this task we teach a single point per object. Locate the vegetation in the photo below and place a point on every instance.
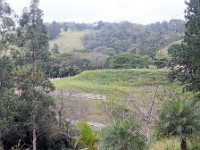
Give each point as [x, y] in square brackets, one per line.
[55, 49]
[54, 30]
[121, 136]
[113, 83]
[128, 61]
[186, 63]
[88, 138]
[106, 81]
[135, 38]
[8, 101]
[174, 50]
[25, 106]
[179, 119]
[165, 49]
[86, 54]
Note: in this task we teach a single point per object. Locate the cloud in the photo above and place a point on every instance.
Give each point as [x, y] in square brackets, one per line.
[138, 11]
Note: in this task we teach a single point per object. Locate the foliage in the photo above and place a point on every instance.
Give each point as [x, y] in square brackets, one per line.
[185, 66]
[122, 135]
[55, 49]
[128, 61]
[66, 64]
[87, 136]
[54, 30]
[69, 64]
[34, 112]
[180, 119]
[160, 60]
[139, 39]
[6, 19]
[65, 70]
[160, 63]
[67, 26]
[174, 50]
[8, 104]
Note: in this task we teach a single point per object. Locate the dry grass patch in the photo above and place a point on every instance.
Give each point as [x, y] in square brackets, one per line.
[69, 41]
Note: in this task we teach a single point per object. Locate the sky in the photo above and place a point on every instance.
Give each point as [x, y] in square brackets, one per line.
[90, 11]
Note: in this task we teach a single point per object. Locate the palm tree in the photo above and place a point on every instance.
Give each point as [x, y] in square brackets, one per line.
[180, 119]
[123, 135]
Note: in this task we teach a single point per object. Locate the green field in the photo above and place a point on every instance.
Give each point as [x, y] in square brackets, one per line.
[68, 41]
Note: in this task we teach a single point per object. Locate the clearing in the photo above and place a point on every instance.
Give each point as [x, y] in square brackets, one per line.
[69, 41]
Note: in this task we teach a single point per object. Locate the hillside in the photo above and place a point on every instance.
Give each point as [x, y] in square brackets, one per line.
[116, 86]
[68, 41]
[103, 81]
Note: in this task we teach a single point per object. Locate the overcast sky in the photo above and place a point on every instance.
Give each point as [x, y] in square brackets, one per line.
[89, 11]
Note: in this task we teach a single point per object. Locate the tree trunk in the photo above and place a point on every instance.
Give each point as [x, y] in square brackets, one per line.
[1, 143]
[34, 138]
[183, 144]
[34, 102]
[148, 133]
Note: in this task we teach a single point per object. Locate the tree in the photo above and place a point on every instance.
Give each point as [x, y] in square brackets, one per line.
[180, 119]
[186, 65]
[174, 50]
[55, 49]
[5, 66]
[160, 60]
[54, 30]
[66, 70]
[128, 60]
[139, 39]
[123, 135]
[7, 97]
[32, 76]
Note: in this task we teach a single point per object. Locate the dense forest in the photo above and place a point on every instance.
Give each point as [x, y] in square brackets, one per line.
[121, 91]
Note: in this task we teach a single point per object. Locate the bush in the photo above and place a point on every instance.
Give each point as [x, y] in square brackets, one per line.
[128, 61]
[122, 135]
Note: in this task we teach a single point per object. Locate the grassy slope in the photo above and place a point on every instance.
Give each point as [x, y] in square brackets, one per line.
[117, 84]
[68, 41]
[114, 84]
[164, 50]
[108, 81]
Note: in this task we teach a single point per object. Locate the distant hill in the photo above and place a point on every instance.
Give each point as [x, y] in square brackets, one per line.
[111, 38]
[68, 41]
[136, 38]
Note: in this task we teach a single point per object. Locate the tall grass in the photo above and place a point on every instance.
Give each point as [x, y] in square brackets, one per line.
[166, 144]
